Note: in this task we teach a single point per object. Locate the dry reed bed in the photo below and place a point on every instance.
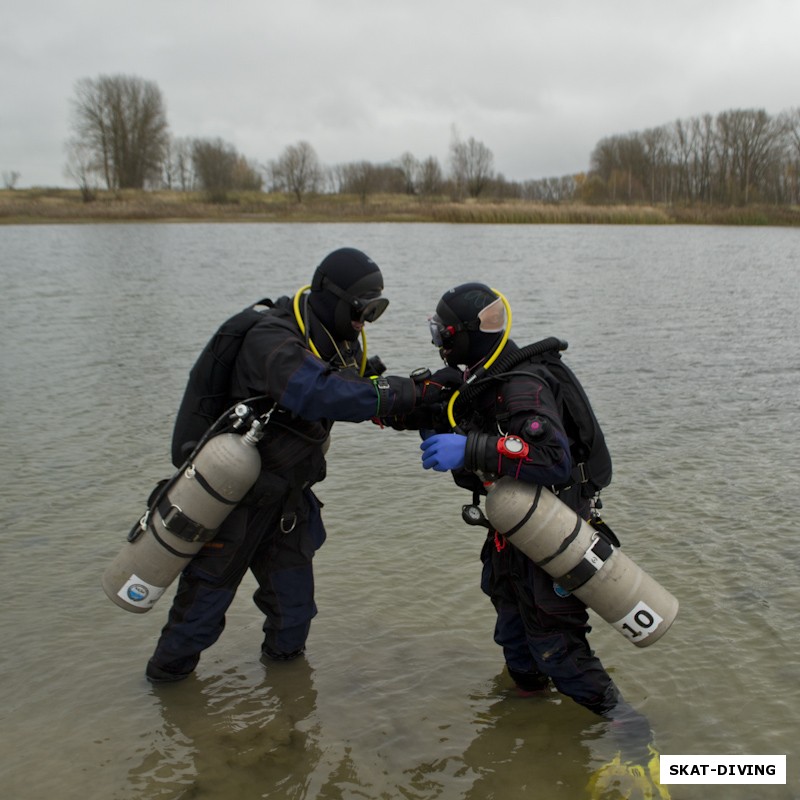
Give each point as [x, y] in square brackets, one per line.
[61, 206]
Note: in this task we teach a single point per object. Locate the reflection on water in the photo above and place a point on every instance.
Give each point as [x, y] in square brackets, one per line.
[223, 738]
[688, 342]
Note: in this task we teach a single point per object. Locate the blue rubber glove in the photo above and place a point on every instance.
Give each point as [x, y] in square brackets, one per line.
[444, 451]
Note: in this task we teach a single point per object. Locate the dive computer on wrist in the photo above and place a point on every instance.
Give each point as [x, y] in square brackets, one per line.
[512, 447]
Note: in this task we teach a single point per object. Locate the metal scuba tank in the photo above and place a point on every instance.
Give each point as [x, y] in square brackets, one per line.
[569, 549]
[185, 515]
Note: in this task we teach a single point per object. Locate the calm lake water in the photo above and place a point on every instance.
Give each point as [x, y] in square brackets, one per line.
[688, 340]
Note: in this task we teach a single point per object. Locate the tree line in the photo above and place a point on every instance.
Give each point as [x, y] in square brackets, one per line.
[734, 158]
[120, 139]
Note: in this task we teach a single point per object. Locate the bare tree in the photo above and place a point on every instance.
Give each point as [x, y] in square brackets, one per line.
[739, 156]
[247, 175]
[214, 162]
[180, 169]
[360, 178]
[81, 167]
[791, 128]
[178, 172]
[471, 165]
[704, 156]
[297, 170]
[745, 141]
[656, 147]
[336, 179]
[10, 178]
[365, 178]
[410, 168]
[122, 120]
[550, 190]
[431, 179]
[219, 169]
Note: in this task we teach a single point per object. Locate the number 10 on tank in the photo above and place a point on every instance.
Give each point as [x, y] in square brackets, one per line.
[639, 623]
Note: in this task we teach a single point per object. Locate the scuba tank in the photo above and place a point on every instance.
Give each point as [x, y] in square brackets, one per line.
[185, 513]
[569, 549]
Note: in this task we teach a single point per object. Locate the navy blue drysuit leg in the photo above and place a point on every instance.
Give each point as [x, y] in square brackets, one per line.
[251, 537]
[542, 633]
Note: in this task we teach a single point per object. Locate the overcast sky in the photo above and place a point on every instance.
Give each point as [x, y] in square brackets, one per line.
[539, 83]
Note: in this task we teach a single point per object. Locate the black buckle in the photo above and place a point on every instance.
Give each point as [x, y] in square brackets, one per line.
[174, 514]
[176, 522]
[593, 560]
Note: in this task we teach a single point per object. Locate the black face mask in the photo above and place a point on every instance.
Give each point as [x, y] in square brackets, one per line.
[366, 308]
[452, 340]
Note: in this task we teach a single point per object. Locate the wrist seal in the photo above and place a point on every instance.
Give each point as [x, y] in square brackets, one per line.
[396, 396]
[475, 452]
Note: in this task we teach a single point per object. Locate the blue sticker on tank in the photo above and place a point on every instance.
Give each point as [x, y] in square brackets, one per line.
[137, 592]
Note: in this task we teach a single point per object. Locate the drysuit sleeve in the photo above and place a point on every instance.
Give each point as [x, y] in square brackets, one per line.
[530, 410]
[277, 363]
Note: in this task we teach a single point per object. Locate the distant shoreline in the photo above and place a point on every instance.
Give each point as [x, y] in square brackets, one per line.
[56, 206]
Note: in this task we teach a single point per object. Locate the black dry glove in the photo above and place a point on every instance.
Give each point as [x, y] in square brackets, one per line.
[375, 366]
[396, 396]
[433, 392]
[432, 418]
[437, 388]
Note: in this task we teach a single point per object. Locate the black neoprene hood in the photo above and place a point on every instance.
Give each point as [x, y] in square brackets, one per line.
[459, 308]
[351, 272]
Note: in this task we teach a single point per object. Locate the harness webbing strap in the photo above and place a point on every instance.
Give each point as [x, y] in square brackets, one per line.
[564, 545]
[168, 547]
[212, 491]
[528, 514]
[183, 526]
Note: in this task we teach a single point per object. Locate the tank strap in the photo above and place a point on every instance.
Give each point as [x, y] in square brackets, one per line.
[598, 552]
[166, 545]
[198, 476]
[564, 544]
[528, 514]
[175, 521]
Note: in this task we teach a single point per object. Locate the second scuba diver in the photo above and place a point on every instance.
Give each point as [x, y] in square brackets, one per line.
[516, 427]
[300, 366]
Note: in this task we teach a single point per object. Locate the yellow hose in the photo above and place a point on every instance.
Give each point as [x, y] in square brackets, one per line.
[499, 349]
[299, 317]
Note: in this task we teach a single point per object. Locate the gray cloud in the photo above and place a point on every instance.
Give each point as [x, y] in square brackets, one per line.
[538, 82]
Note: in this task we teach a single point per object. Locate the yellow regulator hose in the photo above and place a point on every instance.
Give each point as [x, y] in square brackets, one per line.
[299, 318]
[482, 370]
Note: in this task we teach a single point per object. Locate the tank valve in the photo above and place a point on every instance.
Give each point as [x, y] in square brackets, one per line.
[242, 415]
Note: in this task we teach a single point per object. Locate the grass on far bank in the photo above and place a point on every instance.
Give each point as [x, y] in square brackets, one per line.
[31, 206]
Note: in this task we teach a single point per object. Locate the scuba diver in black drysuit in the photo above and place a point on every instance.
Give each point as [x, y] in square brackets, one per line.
[542, 632]
[515, 424]
[301, 360]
